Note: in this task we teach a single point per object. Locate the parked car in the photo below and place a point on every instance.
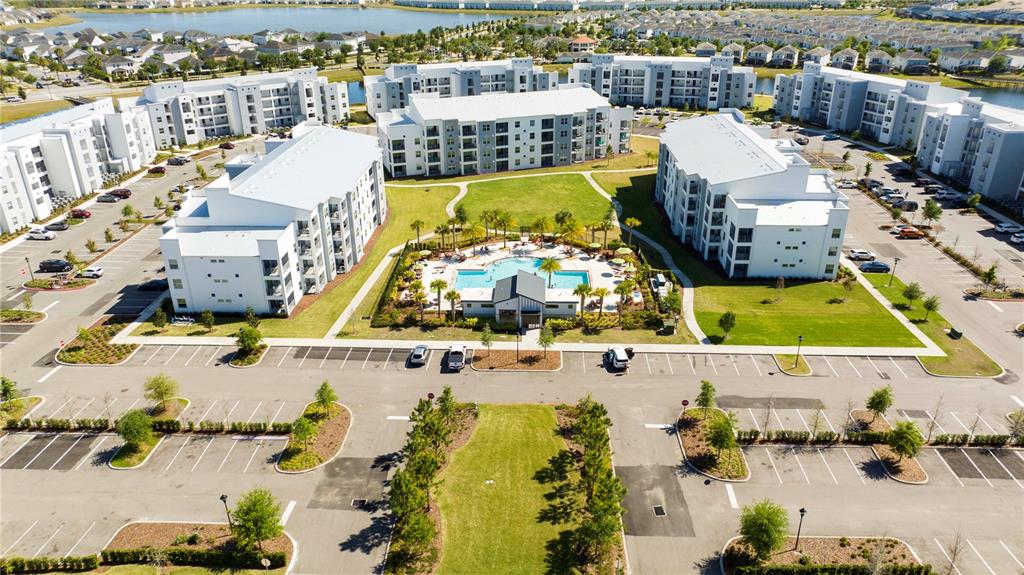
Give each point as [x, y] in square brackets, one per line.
[906, 205]
[419, 355]
[802, 140]
[456, 357]
[884, 190]
[910, 233]
[831, 137]
[1017, 238]
[894, 198]
[58, 226]
[179, 161]
[81, 214]
[933, 188]
[846, 185]
[154, 285]
[1009, 228]
[227, 146]
[107, 199]
[14, 99]
[55, 266]
[870, 182]
[946, 195]
[94, 272]
[922, 182]
[123, 193]
[158, 170]
[899, 228]
[791, 128]
[874, 267]
[41, 234]
[616, 358]
[776, 125]
[861, 255]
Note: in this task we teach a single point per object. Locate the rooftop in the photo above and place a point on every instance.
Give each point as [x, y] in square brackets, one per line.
[721, 149]
[490, 106]
[16, 130]
[221, 241]
[789, 213]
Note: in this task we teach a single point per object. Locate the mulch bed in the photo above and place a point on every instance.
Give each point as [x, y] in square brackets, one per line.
[690, 428]
[331, 434]
[908, 469]
[20, 316]
[330, 437]
[827, 551]
[240, 360]
[170, 409]
[211, 536]
[505, 359]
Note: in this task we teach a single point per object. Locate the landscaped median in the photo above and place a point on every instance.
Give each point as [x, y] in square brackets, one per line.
[512, 360]
[825, 556]
[318, 435]
[21, 316]
[792, 364]
[142, 431]
[874, 429]
[92, 346]
[707, 440]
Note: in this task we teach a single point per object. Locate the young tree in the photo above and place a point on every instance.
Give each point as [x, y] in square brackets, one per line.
[159, 318]
[973, 201]
[127, 212]
[487, 338]
[989, 277]
[706, 397]
[248, 340]
[135, 428]
[452, 296]
[251, 319]
[905, 440]
[932, 211]
[623, 290]
[419, 297]
[90, 245]
[868, 167]
[880, 401]
[326, 396]
[207, 320]
[8, 389]
[719, 434]
[26, 301]
[438, 285]
[303, 431]
[848, 284]
[911, 293]
[257, 518]
[727, 322]
[550, 266]
[764, 527]
[108, 236]
[931, 303]
[416, 226]
[1016, 426]
[780, 286]
[672, 303]
[546, 338]
[160, 389]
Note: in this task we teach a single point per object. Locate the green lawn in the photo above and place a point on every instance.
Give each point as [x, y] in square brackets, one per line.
[174, 570]
[488, 497]
[342, 75]
[793, 365]
[404, 206]
[765, 72]
[963, 358]
[13, 112]
[804, 309]
[531, 198]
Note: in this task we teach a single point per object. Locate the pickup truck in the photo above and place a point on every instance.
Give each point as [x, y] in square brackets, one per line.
[456, 357]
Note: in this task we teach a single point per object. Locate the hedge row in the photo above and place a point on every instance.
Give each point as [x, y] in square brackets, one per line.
[11, 565]
[196, 557]
[831, 570]
[965, 439]
[162, 426]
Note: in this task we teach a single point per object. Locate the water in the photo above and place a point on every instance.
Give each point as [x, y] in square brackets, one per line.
[508, 267]
[356, 93]
[997, 96]
[303, 19]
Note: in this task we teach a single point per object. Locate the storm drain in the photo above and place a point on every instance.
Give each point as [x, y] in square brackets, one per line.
[358, 503]
[659, 511]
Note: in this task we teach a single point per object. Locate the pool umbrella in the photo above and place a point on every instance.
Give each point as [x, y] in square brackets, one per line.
[424, 253]
[629, 268]
[595, 245]
[623, 251]
[618, 261]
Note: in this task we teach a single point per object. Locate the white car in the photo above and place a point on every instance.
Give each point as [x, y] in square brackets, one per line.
[1017, 238]
[1010, 228]
[846, 185]
[616, 358]
[41, 234]
[946, 195]
[861, 255]
[94, 272]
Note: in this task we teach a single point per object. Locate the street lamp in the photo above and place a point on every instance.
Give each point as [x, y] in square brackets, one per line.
[224, 500]
[895, 262]
[803, 511]
[799, 342]
[28, 265]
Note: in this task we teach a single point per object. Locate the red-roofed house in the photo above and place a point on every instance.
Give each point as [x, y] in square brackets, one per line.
[582, 44]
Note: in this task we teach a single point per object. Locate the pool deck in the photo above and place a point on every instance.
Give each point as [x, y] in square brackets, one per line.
[601, 272]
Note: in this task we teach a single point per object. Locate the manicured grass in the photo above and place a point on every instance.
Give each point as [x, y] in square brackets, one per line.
[804, 310]
[20, 316]
[791, 365]
[405, 205]
[765, 72]
[360, 117]
[530, 198]
[963, 358]
[762, 102]
[128, 456]
[13, 112]
[18, 408]
[562, 69]
[342, 75]
[359, 328]
[489, 499]
[682, 336]
[174, 570]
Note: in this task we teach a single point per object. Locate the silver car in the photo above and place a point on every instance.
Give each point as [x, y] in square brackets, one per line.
[419, 355]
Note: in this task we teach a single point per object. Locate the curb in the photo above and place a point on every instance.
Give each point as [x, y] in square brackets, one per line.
[783, 370]
[58, 290]
[983, 298]
[258, 361]
[721, 555]
[141, 463]
[882, 461]
[679, 439]
[45, 315]
[561, 364]
[351, 422]
[122, 362]
[1002, 370]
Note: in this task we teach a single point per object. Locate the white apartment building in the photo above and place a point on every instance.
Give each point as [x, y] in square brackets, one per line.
[685, 82]
[276, 227]
[185, 113]
[67, 154]
[752, 204]
[498, 132]
[885, 109]
[394, 89]
[978, 144]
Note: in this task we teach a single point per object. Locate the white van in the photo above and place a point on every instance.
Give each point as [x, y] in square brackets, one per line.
[616, 358]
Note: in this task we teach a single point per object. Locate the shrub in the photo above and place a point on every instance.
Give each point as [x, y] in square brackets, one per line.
[14, 565]
[787, 436]
[748, 435]
[867, 437]
[951, 439]
[826, 437]
[994, 440]
[557, 324]
[642, 320]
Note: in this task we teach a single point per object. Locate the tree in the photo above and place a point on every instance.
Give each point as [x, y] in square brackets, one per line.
[452, 296]
[90, 245]
[200, 171]
[719, 434]
[72, 259]
[651, 156]
[135, 427]
[632, 224]
[158, 203]
[600, 293]
[159, 318]
[997, 64]
[248, 340]
[487, 338]
[256, 518]
[420, 298]
[990, 276]
[582, 291]
[931, 303]
[251, 319]
[973, 200]
[207, 320]
[8, 389]
[867, 168]
[706, 397]
[416, 226]
[932, 211]
[26, 301]
[127, 212]
[879, 401]
[546, 338]
[911, 293]
[623, 290]
[438, 285]
[550, 266]
[1016, 427]
[905, 440]
[303, 431]
[780, 286]
[326, 396]
[764, 527]
[848, 284]
[108, 236]
[160, 389]
[726, 323]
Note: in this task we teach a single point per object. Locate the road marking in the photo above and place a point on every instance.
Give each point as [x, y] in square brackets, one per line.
[49, 307]
[49, 373]
[754, 361]
[797, 457]
[176, 453]
[75, 546]
[777, 420]
[1017, 400]
[255, 409]
[172, 355]
[211, 357]
[732, 496]
[943, 550]
[668, 360]
[397, 418]
[208, 444]
[66, 451]
[899, 368]
[346, 358]
[950, 469]
[326, 355]
[55, 436]
[658, 426]
[855, 370]
[1014, 557]
[79, 412]
[975, 549]
[827, 422]
[583, 360]
[388, 358]
[156, 351]
[713, 366]
[15, 296]
[287, 513]
[878, 371]
[56, 411]
[362, 367]
[937, 424]
[88, 456]
[1000, 310]
[693, 368]
[990, 428]
[276, 413]
[226, 455]
[772, 461]
[230, 411]
[827, 466]
[803, 421]
[287, 351]
[50, 538]
[194, 353]
[736, 367]
[255, 450]
[648, 362]
[829, 363]
[1015, 480]
[18, 540]
[754, 419]
[976, 467]
[854, 465]
[207, 412]
[967, 429]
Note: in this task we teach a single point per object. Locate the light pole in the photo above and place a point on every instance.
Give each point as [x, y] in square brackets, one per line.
[799, 342]
[224, 500]
[895, 262]
[28, 265]
[803, 511]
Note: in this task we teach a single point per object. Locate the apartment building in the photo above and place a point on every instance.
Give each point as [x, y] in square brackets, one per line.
[977, 144]
[394, 89]
[498, 132]
[185, 113]
[682, 82]
[67, 154]
[885, 109]
[276, 227]
[749, 203]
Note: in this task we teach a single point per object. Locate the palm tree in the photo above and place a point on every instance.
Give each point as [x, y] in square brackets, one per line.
[604, 226]
[651, 156]
[453, 226]
[419, 298]
[441, 231]
[582, 291]
[601, 293]
[570, 229]
[632, 224]
[622, 290]
[472, 233]
[452, 296]
[486, 217]
[416, 226]
[542, 225]
[550, 266]
[438, 286]
[505, 220]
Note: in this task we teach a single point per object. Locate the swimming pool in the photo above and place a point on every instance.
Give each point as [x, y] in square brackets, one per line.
[487, 277]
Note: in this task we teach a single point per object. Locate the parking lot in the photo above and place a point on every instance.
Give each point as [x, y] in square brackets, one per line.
[46, 537]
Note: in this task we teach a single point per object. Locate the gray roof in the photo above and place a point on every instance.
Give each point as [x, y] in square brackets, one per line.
[523, 284]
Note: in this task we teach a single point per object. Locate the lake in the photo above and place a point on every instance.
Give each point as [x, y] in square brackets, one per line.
[303, 19]
[998, 96]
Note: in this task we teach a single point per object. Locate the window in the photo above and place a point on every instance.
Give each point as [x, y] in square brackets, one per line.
[172, 264]
[830, 268]
[181, 302]
[176, 284]
[837, 233]
[832, 251]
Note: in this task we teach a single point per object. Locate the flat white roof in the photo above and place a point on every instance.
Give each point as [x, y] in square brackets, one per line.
[491, 106]
[164, 90]
[720, 149]
[789, 213]
[16, 130]
[221, 241]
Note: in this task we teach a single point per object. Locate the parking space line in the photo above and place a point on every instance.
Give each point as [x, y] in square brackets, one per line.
[937, 424]
[829, 364]
[1017, 481]
[944, 554]
[732, 496]
[156, 351]
[324, 360]
[648, 362]
[278, 412]
[50, 538]
[827, 466]
[68, 450]
[967, 429]
[827, 422]
[754, 419]
[734, 366]
[49, 373]
[855, 370]
[854, 465]
[230, 411]
[253, 456]
[208, 410]
[88, 456]
[975, 549]
[75, 546]
[200, 458]
[346, 358]
[177, 453]
[693, 368]
[878, 371]
[18, 540]
[1012, 556]
[194, 353]
[803, 421]
[172, 355]
[898, 367]
[797, 458]
[944, 462]
[777, 419]
[712, 364]
[754, 361]
[962, 450]
[255, 409]
[366, 360]
[287, 513]
[56, 411]
[280, 361]
[772, 461]
[1017, 400]
[669, 362]
[211, 357]
[226, 455]
[79, 412]
[990, 428]
[55, 436]
[388, 358]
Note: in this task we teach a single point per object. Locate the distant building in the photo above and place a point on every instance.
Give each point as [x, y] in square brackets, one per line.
[760, 55]
[522, 299]
[582, 44]
[846, 59]
[911, 62]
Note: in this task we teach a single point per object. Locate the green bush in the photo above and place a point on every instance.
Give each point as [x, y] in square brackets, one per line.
[557, 324]
[166, 425]
[642, 320]
[12, 565]
[787, 436]
[831, 570]
[867, 437]
[992, 440]
[951, 439]
[748, 435]
[826, 437]
[197, 557]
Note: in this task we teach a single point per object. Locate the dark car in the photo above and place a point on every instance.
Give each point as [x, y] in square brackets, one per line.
[178, 161]
[52, 266]
[875, 267]
[158, 170]
[58, 226]
[107, 199]
[123, 193]
[922, 182]
[82, 214]
[830, 137]
[154, 285]
[227, 146]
